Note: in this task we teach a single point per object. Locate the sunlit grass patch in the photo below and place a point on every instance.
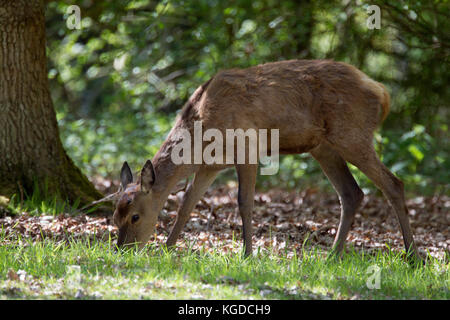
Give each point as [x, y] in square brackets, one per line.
[43, 270]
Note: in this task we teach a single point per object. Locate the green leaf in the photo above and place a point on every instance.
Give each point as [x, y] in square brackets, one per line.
[416, 152]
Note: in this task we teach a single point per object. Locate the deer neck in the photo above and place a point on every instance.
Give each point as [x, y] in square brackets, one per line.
[168, 174]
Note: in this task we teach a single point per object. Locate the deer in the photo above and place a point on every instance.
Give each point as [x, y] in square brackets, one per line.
[326, 108]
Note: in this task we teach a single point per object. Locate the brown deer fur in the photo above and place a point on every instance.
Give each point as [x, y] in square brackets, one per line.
[329, 109]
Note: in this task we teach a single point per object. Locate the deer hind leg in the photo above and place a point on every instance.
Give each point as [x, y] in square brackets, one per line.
[202, 180]
[247, 180]
[362, 154]
[350, 195]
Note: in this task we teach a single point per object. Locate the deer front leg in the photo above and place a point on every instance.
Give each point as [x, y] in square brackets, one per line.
[202, 180]
[350, 195]
[247, 180]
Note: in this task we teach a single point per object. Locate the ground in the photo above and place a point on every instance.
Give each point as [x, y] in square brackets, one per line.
[293, 232]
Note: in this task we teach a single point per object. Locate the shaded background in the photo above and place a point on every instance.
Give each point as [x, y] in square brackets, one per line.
[118, 83]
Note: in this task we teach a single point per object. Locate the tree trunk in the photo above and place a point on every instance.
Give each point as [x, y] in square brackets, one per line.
[30, 148]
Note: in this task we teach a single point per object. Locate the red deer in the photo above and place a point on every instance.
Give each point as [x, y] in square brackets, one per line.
[329, 109]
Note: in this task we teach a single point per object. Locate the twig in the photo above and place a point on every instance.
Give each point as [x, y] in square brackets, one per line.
[110, 197]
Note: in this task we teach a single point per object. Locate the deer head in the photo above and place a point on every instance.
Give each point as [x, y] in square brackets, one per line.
[135, 216]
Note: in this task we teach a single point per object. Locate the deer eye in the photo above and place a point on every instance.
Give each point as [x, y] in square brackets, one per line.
[134, 218]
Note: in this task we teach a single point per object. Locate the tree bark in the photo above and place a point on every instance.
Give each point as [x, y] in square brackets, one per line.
[30, 148]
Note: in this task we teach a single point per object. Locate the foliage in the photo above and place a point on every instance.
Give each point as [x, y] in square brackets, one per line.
[118, 82]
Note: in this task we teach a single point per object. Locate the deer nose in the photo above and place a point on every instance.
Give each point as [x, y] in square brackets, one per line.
[122, 236]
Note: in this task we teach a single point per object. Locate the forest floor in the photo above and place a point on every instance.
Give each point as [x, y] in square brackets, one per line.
[289, 227]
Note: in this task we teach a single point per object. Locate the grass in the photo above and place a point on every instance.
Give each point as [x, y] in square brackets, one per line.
[154, 273]
[92, 269]
[41, 202]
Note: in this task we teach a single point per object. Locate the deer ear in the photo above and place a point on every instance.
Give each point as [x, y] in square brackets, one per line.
[147, 176]
[126, 177]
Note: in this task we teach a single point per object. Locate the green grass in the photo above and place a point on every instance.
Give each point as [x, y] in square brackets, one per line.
[43, 269]
[153, 273]
[42, 202]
